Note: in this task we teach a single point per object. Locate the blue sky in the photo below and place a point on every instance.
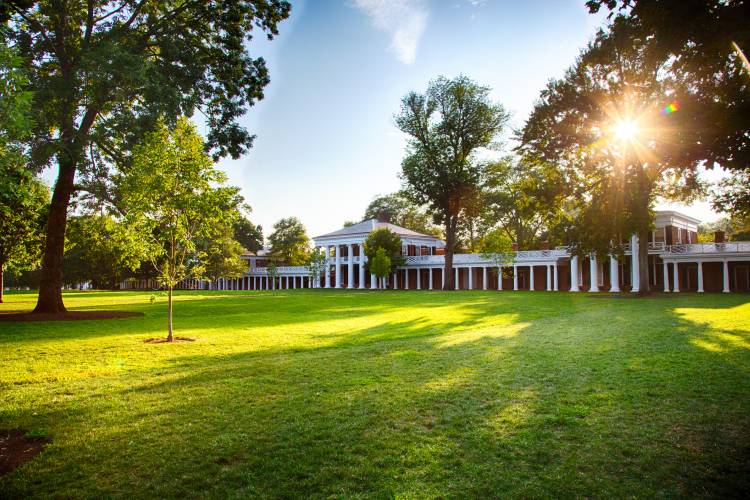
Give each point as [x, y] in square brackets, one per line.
[326, 140]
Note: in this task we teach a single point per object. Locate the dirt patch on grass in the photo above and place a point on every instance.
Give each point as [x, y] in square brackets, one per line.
[16, 449]
[67, 316]
[163, 340]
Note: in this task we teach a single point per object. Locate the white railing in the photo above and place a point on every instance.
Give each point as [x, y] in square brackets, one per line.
[690, 248]
[463, 259]
[281, 271]
[656, 246]
[541, 254]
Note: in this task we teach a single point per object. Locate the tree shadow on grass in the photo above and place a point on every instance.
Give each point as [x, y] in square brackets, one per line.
[504, 400]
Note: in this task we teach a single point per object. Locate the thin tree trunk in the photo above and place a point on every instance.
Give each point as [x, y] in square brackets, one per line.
[170, 338]
[50, 286]
[645, 289]
[2, 283]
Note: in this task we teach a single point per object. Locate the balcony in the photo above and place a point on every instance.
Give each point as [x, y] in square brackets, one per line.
[709, 248]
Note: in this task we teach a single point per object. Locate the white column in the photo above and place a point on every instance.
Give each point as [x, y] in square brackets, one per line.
[361, 265]
[470, 270]
[484, 278]
[442, 278]
[676, 276]
[294, 282]
[515, 277]
[555, 273]
[594, 273]
[338, 267]
[350, 266]
[328, 266]
[531, 279]
[455, 283]
[574, 274]
[549, 278]
[266, 283]
[726, 277]
[419, 278]
[700, 276]
[430, 278]
[373, 282]
[614, 274]
[499, 278]
[666, 276]
[635, 264]
[406, 278]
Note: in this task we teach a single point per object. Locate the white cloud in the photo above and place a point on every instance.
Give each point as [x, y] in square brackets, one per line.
[403, 20]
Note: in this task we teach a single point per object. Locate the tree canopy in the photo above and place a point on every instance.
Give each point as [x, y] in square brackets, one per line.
[387, 240]
[289, 242]
[708, 79]
[447, 126]
[400, 210]
[103, 72]
[248, 234]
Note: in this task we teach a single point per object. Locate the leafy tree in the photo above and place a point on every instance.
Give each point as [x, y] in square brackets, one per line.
[524, 200]
[603, 124]
[316, 263]
[223, 256]
[447, 125]
[387, 240]
[173, 193]
[100, 249]
[380, 265]
[23, 199]
[272, 270]
[103, 72]
[400, 210]
[701, 59]
[289, 242]
[248, 234]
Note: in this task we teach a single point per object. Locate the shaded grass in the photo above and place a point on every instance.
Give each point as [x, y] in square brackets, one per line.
[336, 393]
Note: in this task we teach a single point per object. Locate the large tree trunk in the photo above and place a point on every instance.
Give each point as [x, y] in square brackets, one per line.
[450, 245]
[169, 307]
[50, 287]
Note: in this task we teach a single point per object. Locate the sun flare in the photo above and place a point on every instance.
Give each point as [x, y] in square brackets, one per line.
[626, 130]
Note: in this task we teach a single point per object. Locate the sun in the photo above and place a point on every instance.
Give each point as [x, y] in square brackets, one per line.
[626, 130]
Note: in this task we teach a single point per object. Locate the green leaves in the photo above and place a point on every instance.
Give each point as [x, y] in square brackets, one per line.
[387, 240]
[380, 265]
[173, 193]
[289, 242]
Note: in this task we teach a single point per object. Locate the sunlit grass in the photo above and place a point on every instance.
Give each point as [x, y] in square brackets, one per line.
[336, 393]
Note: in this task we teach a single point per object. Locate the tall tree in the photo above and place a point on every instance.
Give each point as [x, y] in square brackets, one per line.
[610, 126]
[447, 126]
[103, 71]
[699, 45]
[289, 242]
[380, 266]
[248, 234]
[400, 210]
[23, 198]
[173, 193]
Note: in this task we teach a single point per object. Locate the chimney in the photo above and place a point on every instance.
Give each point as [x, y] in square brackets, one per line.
[544, 245]
[383, 217]
[515, 247]
[719, 237]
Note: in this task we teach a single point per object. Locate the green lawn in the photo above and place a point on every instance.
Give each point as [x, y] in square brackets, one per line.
[409, 394]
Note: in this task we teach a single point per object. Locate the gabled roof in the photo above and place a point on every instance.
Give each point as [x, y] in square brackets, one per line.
[368, 226]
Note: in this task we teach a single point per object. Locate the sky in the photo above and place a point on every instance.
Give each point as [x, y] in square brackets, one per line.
[326, 140]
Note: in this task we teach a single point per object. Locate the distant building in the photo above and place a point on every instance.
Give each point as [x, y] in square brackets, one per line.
[677, 262]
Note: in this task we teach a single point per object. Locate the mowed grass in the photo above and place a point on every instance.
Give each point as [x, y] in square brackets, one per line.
[383, 394]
